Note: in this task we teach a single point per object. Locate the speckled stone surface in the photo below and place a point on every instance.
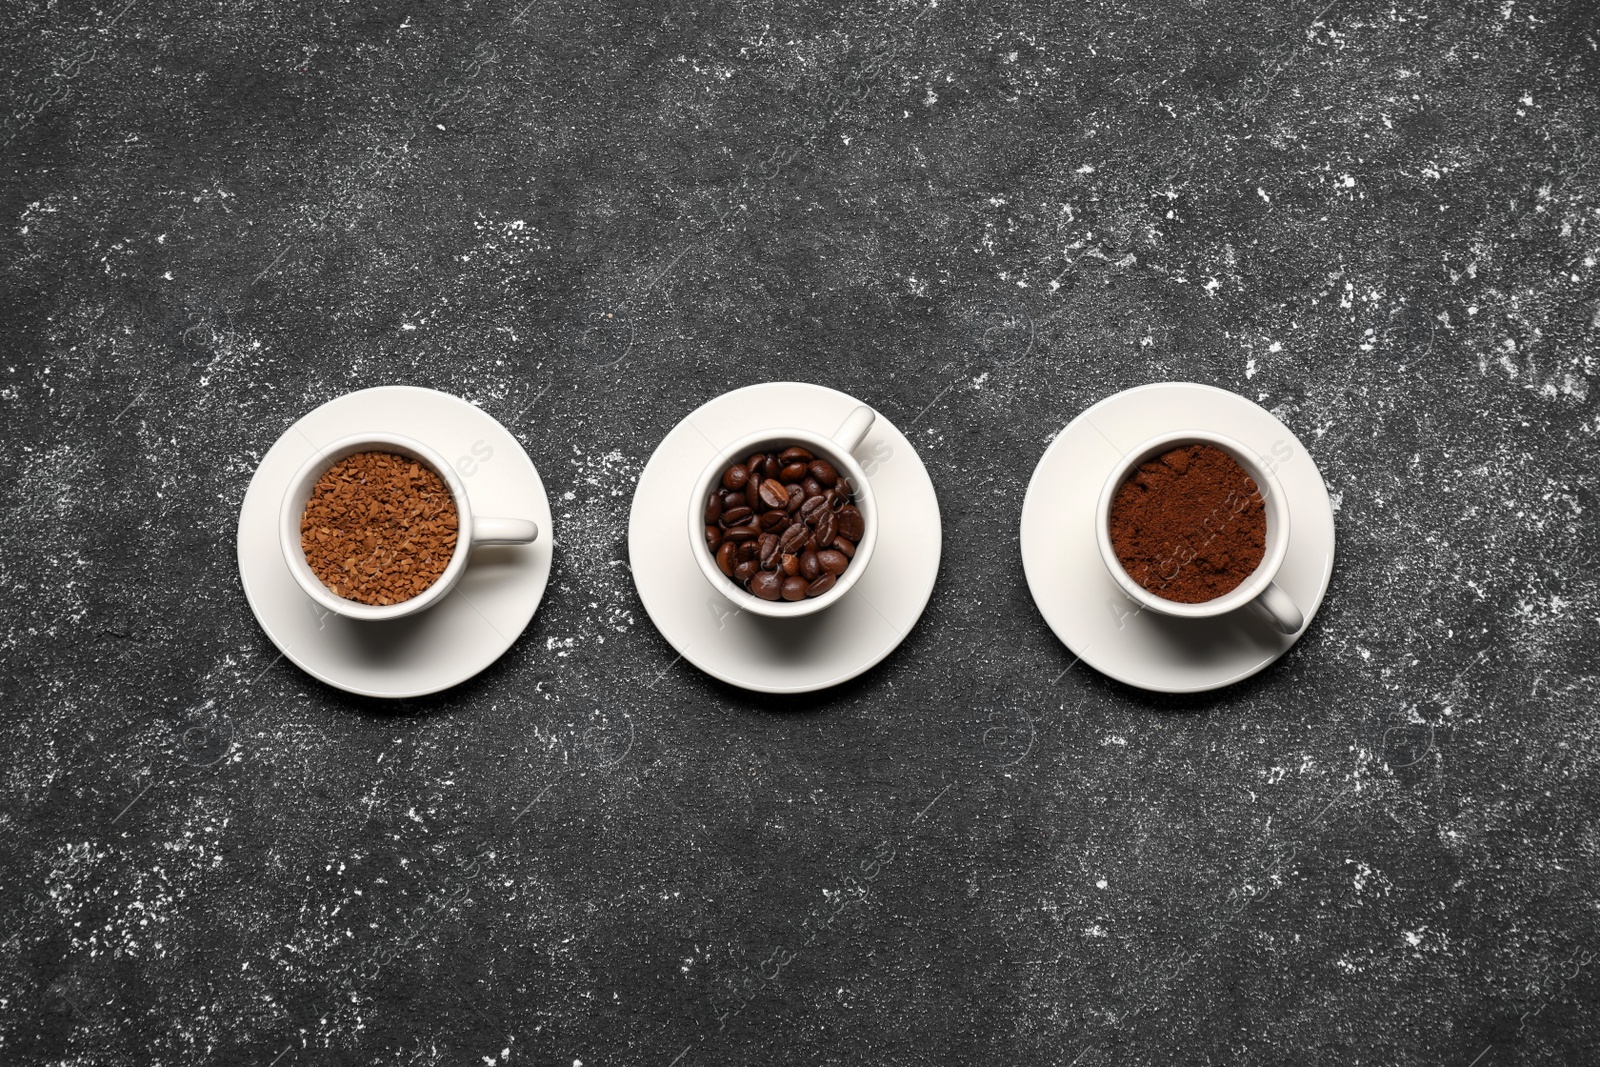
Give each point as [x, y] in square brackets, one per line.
[1378, 220]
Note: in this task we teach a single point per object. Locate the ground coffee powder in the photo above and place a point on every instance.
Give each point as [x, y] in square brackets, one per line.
[379, 528]
[1189, 525]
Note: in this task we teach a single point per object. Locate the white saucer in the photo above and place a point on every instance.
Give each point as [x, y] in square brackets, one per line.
[457, 637]
[1079, 599]
[784, 655]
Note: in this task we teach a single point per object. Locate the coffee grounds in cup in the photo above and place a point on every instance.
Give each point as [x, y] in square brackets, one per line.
[379, 528]
[1189, 525]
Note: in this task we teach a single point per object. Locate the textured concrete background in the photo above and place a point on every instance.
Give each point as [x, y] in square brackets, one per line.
[1378, 219]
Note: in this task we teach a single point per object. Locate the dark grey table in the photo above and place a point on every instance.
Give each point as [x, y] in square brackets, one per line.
[1380, 220]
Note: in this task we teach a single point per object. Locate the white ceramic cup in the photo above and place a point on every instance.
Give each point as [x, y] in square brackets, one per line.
[471, 530]
[835, 449]
[1258, 592]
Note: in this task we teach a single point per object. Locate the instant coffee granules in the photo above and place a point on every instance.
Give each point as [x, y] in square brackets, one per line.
[379, 528]
[784, 525]
[1189, 525]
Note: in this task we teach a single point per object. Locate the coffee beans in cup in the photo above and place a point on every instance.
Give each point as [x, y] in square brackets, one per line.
[783, 525]
[379, 528]
[1189, 525]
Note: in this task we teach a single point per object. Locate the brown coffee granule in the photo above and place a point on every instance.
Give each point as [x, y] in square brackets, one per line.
[1189, 525]
[379, 528]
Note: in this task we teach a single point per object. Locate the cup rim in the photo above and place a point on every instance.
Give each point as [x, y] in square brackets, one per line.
[825, 447]
[293, 505]
[1277, 525]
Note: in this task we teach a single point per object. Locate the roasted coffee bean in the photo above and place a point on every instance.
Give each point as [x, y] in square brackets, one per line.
[773, 494]
[783, 525]
[794, 537]
[827, 526]
[821, 585]
[833, 561]
[851, 524]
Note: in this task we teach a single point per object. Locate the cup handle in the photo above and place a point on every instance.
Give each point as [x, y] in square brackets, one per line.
[1275, 606]
[854, 428]
[487, 531]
